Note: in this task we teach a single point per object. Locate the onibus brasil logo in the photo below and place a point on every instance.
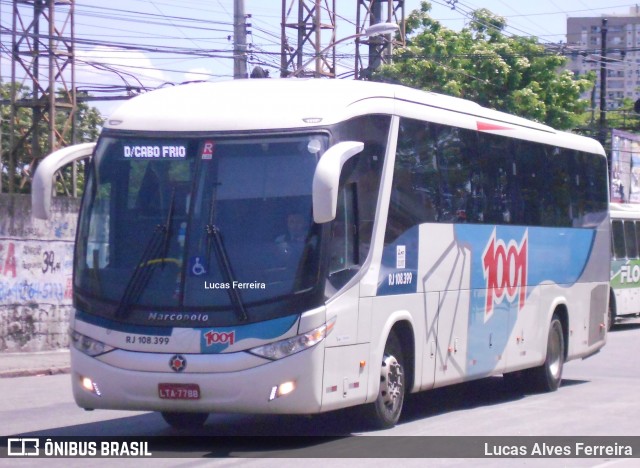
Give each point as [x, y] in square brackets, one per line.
[505, 272]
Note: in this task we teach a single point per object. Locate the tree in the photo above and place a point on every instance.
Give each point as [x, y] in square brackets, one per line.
[480, 63]
[625, 116]
[88, 124]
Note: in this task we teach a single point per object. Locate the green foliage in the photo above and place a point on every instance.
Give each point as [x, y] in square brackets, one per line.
[480, 63]
[88, 124]
[624, 117]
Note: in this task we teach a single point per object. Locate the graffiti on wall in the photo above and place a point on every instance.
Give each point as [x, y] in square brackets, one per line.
[35, 255]
[35, 271]
[35, 274]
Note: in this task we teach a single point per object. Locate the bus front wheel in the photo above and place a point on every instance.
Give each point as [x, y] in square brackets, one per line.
[385, 411]
[185, 420]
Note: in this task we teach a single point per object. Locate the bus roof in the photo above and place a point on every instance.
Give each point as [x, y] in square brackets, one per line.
[267, 104]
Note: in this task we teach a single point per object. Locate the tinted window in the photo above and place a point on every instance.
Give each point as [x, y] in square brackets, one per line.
[617, 235]
[360, 177]
[630, 239]
[364, 170]
[449, 174]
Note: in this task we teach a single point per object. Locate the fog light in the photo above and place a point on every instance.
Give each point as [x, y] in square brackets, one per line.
[281, 390]
[89, 385]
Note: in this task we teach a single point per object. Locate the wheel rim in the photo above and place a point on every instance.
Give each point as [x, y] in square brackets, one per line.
[391, 382]
[555, 353]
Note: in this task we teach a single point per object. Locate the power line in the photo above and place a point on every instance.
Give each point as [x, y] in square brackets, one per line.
[207, 20]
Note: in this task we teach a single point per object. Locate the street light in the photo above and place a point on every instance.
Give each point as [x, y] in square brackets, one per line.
[378, 29]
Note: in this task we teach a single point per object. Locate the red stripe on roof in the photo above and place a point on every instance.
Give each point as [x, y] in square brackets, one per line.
[486, 127]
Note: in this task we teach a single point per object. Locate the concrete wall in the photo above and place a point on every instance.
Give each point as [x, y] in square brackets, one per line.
[35, 274]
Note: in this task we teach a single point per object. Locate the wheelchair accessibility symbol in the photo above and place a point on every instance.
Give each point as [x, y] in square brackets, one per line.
[196, 268]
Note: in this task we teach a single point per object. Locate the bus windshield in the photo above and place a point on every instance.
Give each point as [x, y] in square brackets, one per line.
[188, 223]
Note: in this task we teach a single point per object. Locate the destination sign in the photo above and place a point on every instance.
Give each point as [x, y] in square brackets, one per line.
[154, 151]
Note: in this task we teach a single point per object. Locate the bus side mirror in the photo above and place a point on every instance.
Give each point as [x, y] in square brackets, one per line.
[42, 184]
[327, 178]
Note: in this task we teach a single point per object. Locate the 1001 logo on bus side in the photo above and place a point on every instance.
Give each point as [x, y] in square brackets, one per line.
[505, 271]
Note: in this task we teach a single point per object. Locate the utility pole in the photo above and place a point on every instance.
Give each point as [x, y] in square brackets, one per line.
[47, 58]
[309, 28]
[239, 40]
[603, 82]
[375, 43]
[372, 12]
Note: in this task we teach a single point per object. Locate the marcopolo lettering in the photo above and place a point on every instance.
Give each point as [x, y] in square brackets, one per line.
[177, 317]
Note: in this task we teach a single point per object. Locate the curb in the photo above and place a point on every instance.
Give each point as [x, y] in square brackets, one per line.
[25, 364]
[34, 372]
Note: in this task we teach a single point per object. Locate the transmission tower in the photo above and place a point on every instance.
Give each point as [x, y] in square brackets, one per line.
[42, 58]
[309, 28]
[372, 12]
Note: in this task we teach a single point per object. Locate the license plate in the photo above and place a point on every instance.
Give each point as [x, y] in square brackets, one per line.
[172, 391]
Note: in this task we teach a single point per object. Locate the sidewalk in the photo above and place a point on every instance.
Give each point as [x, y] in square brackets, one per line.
[39, 363]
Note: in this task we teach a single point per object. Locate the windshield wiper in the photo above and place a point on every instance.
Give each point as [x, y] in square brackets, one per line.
[214, 234]
[167, 227]
[158, 245]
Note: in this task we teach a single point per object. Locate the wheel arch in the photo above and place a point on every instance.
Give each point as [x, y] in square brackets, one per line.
[404, 330]
[400, 322]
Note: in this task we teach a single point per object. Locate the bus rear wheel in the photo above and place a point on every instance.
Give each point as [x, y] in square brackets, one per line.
[385, 411]
[185, 420]
[547, 377]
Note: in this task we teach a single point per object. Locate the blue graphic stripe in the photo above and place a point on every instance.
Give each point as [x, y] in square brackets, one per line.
[558, 255]
[268, 330]
[555, 255]
[400, 279]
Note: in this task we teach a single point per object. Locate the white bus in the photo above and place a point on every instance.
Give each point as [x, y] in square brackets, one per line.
[625, 261]
[300, 246]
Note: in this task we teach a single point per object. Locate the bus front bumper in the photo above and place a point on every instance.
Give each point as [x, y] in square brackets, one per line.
[292, 385]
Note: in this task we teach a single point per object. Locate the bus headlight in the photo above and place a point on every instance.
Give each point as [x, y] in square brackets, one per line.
[87, 345]
[283, 348]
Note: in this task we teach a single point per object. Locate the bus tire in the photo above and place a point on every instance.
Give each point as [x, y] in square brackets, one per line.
[385, 411]
[185, 420]
[611, 314]
[547, 377]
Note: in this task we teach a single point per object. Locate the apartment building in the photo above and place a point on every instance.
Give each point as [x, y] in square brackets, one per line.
[584, 46]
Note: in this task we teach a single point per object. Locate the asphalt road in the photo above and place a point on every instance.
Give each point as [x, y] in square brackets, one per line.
[598, 397]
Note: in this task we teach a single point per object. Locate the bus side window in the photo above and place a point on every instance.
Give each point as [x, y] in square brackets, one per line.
[416, 196]
[617, 236]
[556, 198]
[630, 239]
[497, 174]
[529, 182]
[343, 255]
